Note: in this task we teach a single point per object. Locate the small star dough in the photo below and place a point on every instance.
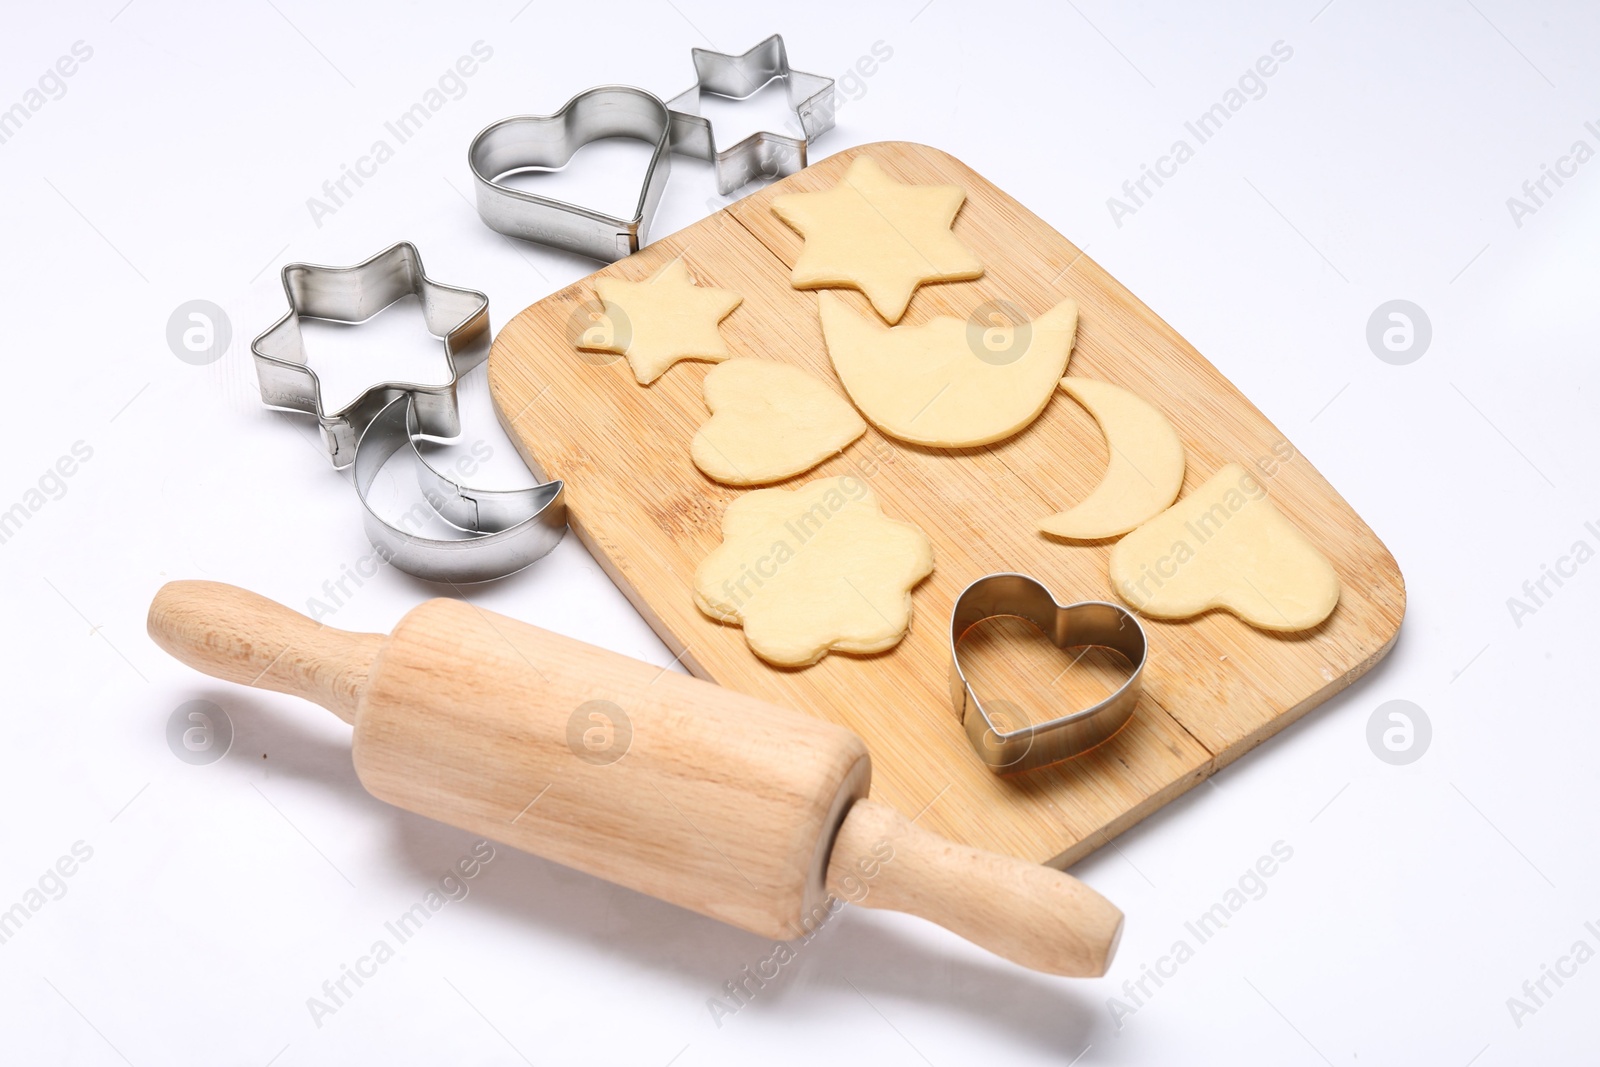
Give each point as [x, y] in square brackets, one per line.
[948, 383]
[655, 323]
[1225, 546]
[769, 421]
[811, 570]
[1145, 472]
[874, 234]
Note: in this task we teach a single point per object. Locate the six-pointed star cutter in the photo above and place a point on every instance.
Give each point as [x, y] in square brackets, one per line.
[527, 143]
[503, 530]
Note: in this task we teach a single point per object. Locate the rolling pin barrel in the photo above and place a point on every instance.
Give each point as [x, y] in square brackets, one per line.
[666, 784]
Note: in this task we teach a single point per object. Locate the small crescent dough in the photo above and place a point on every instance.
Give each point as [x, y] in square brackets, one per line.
[1145, 472]
[1226, 546]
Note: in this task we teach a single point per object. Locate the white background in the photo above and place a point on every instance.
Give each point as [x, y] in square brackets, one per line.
[177, 166]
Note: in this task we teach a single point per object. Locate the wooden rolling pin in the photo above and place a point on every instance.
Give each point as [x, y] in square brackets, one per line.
[666, 784]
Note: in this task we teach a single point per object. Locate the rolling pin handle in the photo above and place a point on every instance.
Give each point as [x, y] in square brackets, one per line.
[238, 636]
[1031, 914]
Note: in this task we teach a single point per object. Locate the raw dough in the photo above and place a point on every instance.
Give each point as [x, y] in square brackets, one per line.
[874, 234]
[1225, 546]
[769, 421]
[812, 570]
[1145, 472]
[661, 320]
[940, 384]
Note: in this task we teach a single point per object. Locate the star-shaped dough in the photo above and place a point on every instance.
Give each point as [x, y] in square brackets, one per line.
[814, 569]
[657, 322]
[874, 234]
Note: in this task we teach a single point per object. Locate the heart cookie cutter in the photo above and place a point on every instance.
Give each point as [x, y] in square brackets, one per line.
[505, 529]
[1010, 747]
[526, 143]
[764, 154]
[541, 142]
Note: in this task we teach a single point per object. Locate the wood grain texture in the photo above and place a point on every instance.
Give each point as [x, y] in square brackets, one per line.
[1214, 687]
[265, 645]
[1028, 913]
[693, 793]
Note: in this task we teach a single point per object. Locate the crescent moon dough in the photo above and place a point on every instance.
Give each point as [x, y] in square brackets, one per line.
[938, 384]
[1145, 472]
[769, 421]
[1226, 546]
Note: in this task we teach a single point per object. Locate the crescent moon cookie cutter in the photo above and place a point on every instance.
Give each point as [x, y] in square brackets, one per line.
[1008, 746]
[505, 529]
[526, 143]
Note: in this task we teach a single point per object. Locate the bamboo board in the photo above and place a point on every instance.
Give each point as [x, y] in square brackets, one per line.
[1214, 687]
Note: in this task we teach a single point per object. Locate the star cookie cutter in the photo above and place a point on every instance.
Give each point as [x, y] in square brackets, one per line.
[541, 142]
[354, 295]
[505, 530]
[764, 154]
[1007, 746]
[526, 143]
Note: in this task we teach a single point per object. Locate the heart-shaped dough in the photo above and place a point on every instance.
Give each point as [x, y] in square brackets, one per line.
[811, 570]
[1225, 546]
[769, 421]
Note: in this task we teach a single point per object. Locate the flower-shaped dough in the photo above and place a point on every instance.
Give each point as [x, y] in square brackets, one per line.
[812, 570]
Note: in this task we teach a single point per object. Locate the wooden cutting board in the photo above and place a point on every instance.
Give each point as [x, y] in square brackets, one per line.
[1214, 687]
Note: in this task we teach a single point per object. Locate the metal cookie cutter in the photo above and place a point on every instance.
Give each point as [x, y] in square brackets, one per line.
[537, 142]
[511, 527]
[1008, 746]
[354, 295]
[764, 154]
[507, 529]
[544, 142]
